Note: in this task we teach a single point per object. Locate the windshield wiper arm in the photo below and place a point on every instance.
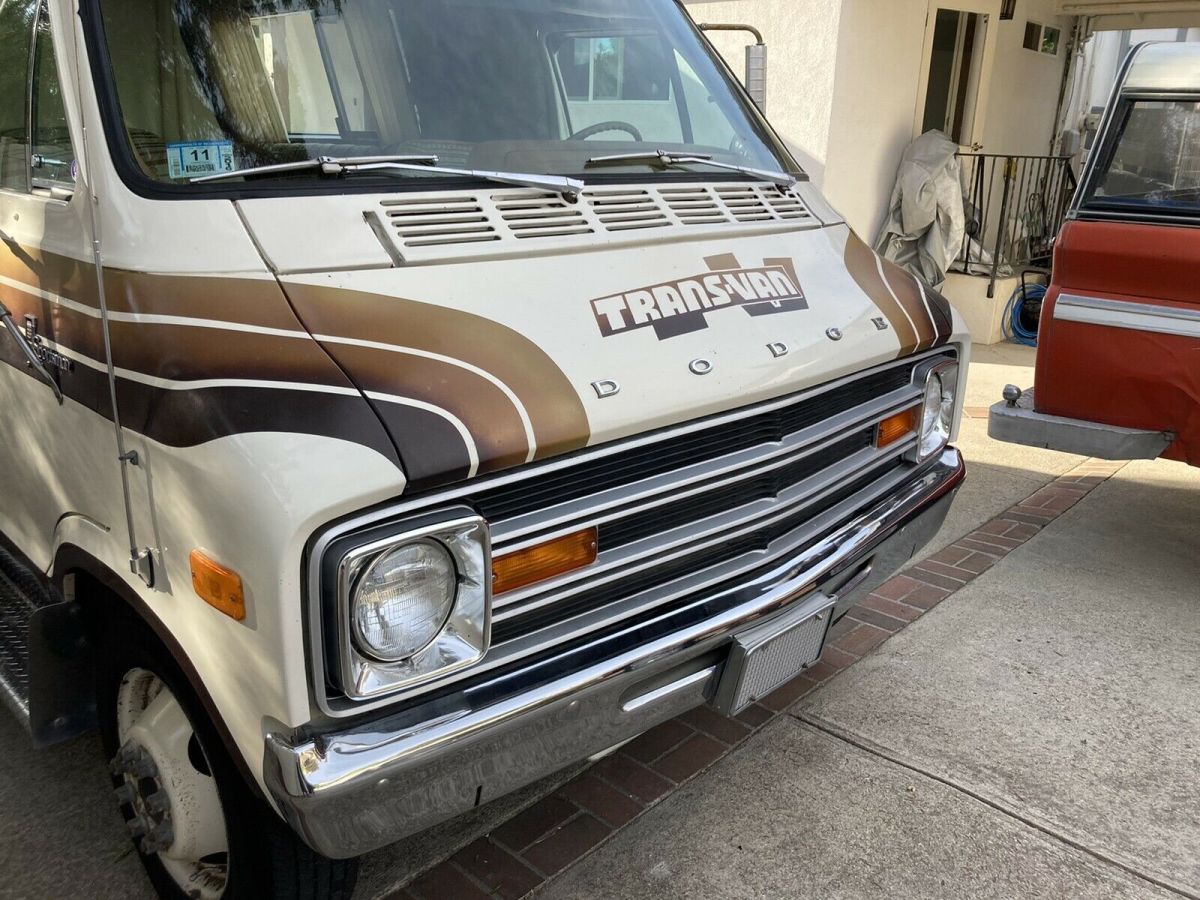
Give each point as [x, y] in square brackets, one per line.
[663, 159]
[559, 184]
[344, 165]
[325, 165]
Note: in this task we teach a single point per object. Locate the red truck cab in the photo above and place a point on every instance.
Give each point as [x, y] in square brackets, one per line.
[1118, 363]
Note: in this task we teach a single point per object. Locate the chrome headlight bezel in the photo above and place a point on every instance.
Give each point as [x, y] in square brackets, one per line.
[944, 377]
[464, 636]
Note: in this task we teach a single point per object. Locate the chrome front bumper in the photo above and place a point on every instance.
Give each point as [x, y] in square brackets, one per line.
[352, 791]
[1020, 423]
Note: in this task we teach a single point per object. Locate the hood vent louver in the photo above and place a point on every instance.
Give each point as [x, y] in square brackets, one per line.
[443, 227]
[540, 215]
[694, 206]
[432, 221]
[624, 209]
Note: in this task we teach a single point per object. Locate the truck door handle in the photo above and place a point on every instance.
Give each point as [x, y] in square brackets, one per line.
[36, 363]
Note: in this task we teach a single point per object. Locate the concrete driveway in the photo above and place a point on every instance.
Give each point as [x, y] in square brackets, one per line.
[1035, 734]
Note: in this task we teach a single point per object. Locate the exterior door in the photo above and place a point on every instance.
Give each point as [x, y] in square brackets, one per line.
[957, 58]
[52, 464]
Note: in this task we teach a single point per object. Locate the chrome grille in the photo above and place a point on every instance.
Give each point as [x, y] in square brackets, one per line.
[685, 509]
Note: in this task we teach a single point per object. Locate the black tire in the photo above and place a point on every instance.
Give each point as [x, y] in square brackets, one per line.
[266, 858]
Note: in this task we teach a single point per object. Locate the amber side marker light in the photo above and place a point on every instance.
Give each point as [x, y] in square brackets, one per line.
[896, 427]
[542, 561]
[219, 587]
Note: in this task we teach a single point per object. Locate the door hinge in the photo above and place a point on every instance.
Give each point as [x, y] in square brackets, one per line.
[141, 563]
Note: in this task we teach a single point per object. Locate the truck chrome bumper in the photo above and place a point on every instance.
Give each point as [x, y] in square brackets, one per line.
[1021, 424]
[352, 791]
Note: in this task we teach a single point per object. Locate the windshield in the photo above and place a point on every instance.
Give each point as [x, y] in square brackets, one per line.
[1154, 164]
[532, 86]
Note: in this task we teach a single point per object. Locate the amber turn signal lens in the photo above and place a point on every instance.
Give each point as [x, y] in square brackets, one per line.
[542, 561]
[219, 587]
[896, 427]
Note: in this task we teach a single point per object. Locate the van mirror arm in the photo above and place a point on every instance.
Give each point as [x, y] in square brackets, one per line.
[27, 350]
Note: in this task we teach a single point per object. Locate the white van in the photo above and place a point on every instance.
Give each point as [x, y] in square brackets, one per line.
[405, 399]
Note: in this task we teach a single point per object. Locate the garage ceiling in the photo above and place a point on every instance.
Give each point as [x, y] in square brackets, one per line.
[1114, 14]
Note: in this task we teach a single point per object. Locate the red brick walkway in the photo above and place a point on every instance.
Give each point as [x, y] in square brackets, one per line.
[556, 831]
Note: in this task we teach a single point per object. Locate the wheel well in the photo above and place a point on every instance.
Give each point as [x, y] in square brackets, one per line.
[98, 606]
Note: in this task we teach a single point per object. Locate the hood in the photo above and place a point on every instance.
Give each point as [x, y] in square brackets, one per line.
[478, 357]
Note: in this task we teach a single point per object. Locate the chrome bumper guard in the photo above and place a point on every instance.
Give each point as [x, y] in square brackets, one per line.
[355, 790]
[1017, 422]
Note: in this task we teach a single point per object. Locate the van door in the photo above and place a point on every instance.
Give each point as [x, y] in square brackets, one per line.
[55, 459]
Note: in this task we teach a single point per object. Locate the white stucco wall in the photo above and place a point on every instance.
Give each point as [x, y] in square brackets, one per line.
[1025, 84]
[801, 37]
[874, 105]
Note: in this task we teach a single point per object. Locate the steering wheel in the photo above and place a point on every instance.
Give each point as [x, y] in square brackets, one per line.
[584, 133]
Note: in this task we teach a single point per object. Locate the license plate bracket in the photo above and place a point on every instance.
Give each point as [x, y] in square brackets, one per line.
[768, 655]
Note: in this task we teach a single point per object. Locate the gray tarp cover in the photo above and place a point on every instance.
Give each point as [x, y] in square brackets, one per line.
[925, 223]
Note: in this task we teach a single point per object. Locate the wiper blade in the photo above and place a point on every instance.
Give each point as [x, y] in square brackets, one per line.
[336, 166]
[559, 184]
[324, 165]
[663, 159]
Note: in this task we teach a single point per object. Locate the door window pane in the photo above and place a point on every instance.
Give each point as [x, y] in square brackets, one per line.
[52, 159]
[16, 30]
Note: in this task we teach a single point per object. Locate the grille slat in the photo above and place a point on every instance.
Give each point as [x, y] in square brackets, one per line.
[668, 454]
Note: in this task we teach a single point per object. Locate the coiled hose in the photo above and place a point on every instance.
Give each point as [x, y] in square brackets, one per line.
[1020, 322]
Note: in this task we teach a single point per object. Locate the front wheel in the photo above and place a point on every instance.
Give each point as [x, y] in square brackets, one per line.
[199, 830]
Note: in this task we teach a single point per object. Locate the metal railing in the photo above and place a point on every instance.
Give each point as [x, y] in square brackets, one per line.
[1014, 206]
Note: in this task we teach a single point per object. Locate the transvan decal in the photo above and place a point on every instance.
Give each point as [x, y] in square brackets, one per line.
[673, 308]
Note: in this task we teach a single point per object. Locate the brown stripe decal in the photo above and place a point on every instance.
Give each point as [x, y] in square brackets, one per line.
[187, 418]
[488, 413]
[908, 292]
[863, 266]
[249, 301]
[555, 411]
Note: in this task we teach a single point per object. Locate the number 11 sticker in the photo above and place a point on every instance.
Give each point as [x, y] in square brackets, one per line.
[195, 158]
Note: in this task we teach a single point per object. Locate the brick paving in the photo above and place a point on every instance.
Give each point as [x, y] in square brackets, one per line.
[558, 830]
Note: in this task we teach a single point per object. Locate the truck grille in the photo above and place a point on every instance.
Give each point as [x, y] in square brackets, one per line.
[685, 509]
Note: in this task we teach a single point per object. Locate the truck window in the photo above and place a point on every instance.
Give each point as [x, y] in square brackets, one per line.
[1154, 162]
[16, 32]
[52, 160]
[204, 88]
[35, 146]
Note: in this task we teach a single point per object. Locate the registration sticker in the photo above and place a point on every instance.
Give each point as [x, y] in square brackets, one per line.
[195, 158]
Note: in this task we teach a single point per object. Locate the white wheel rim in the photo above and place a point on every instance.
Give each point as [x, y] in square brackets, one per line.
[150, 717]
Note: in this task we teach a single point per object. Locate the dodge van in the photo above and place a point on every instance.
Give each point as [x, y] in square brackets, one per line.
[404, 400]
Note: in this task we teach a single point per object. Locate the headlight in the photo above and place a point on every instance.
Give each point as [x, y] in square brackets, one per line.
[937, 411]
[413, 602]
[403, 599]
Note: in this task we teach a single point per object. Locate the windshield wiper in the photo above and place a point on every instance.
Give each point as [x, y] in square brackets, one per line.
[559, 184]
[336, 166]
[325, 165]
[663, 159]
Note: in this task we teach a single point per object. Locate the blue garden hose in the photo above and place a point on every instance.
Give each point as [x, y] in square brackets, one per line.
[1020, 322]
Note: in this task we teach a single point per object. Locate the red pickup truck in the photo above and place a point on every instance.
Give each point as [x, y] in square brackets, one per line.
[1118, 364]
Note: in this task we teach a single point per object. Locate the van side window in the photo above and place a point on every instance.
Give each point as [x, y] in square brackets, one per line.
[16, 32]
[52, 161]
[35, 147]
